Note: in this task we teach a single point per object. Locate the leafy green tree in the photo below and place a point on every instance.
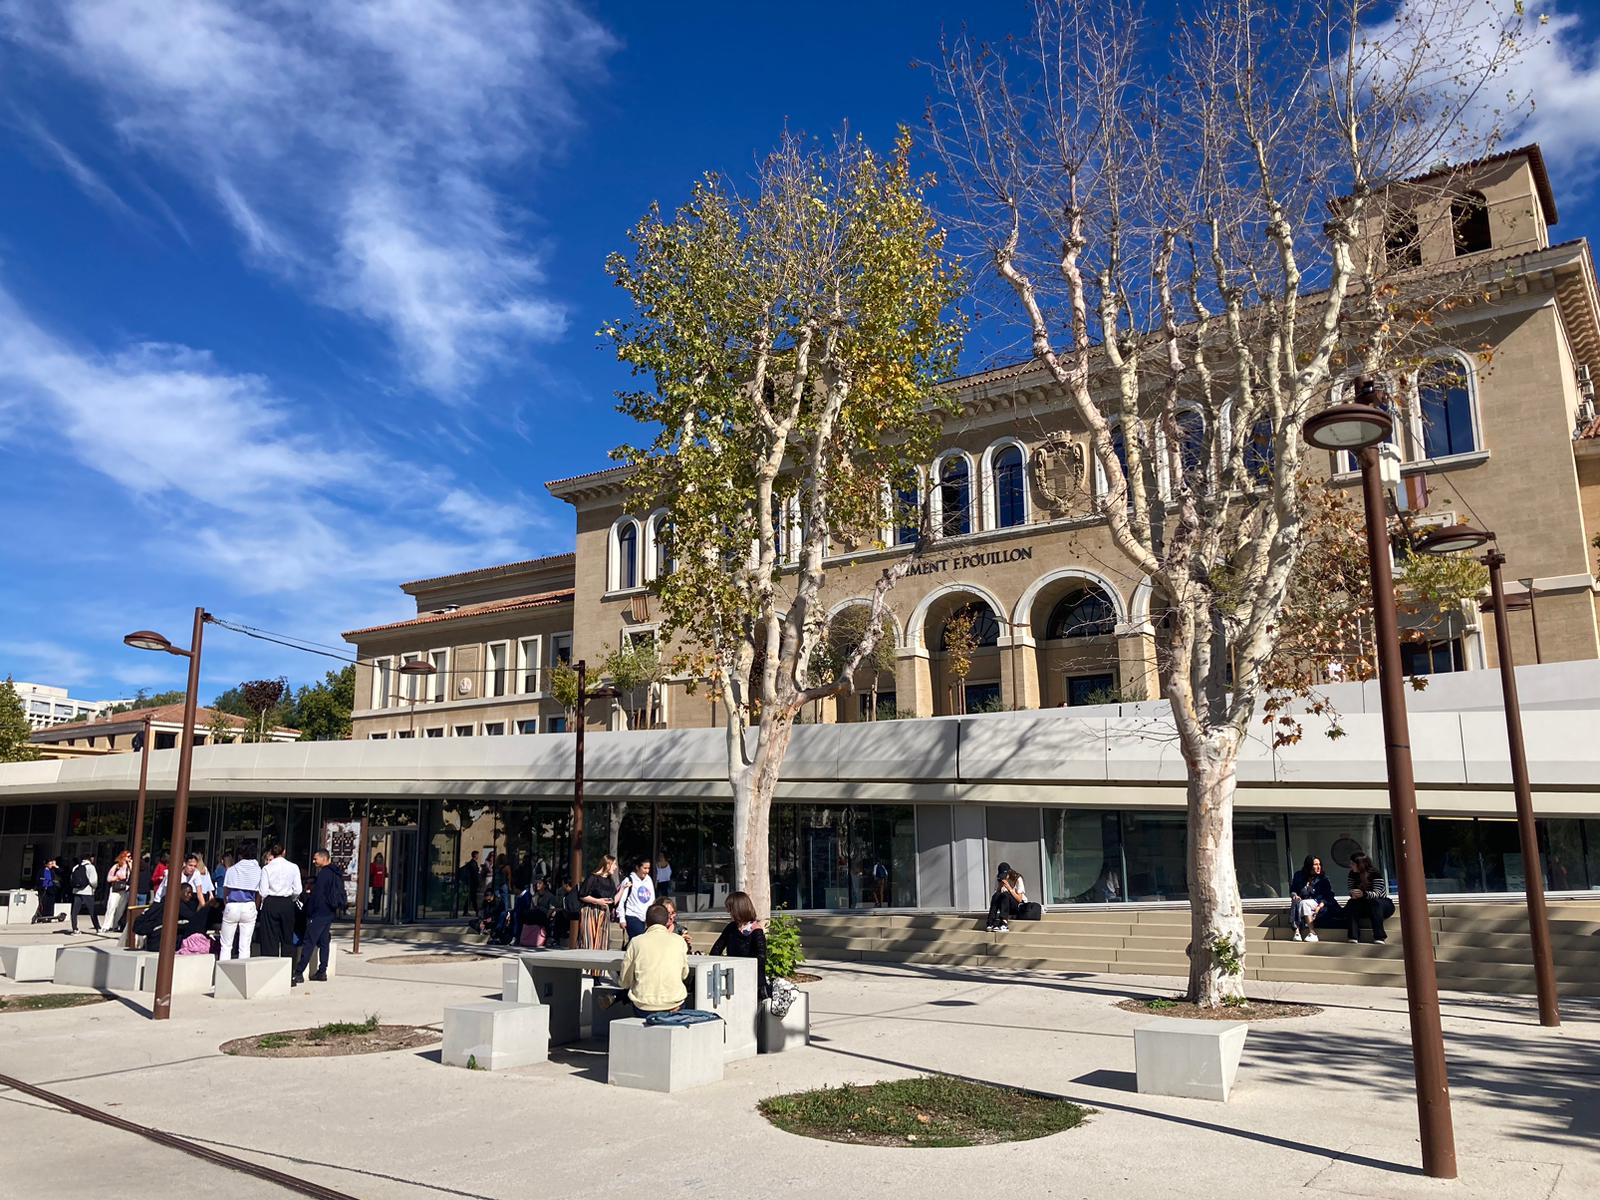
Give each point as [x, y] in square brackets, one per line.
[846, 632]
[637, 670]
[791, 343]
[322, 710]
[143, 698]
[14, 728]
[220, 730]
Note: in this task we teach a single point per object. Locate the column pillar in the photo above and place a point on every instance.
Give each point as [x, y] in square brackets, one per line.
[1136, 661]
[913, 682]
[1019, 671]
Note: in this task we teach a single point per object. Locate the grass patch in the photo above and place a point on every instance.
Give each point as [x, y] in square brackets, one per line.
[338, 1029]
[49, 1000]
[274, 1041]
[930, 1110]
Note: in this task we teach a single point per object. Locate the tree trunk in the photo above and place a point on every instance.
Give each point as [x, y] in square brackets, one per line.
[1215, 914]
[618, 810]
[753, 789]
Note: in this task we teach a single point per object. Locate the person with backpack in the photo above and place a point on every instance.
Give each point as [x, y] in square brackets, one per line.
[325, 899]
[85, 881]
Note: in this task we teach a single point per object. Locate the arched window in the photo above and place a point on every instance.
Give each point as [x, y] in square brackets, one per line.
[1010, 488]
[955, 496]
[985, 629]
[1402, 247]
[1083, 612]
[1444, 407]
[660, 549]
[627, 572]
[1258, 452]
[1192, 441]
[906, 515]
[1469, 220]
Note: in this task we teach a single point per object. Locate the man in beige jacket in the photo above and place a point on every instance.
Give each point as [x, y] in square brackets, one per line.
[656, 965]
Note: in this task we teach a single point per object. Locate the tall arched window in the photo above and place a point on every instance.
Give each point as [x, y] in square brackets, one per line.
[955, 496]
[660, 549]
[1444, 406]
[1469, 220]
[1083, 612]
[1010, 488]
[906, 515]
[1258, 452]
[627, 555]
[1402, 247]
[1192, 441]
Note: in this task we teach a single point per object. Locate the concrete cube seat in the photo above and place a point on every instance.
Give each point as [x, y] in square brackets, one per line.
[29, 964]
[1178, 1056]
[105, 968]
[20, 907]
[192, 974]
[61, 912]
[665, 1058]
[496, 1034]
[253, 978]
[331, 968]
[788, 1031]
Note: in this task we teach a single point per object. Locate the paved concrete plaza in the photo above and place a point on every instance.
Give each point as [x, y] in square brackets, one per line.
[1322, 1106]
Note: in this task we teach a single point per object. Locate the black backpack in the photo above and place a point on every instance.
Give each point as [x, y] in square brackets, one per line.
[80, 877]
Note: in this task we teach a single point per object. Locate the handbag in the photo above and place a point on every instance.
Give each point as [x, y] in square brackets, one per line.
[533, 937]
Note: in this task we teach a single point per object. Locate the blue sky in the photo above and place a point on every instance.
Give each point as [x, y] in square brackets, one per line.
[298, 300]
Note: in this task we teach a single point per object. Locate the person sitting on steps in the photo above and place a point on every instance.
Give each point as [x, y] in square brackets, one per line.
[1311, 897]
[1369, 898]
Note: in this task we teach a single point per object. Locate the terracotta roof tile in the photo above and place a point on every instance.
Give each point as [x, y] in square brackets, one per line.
[163, 714]
[488, 608]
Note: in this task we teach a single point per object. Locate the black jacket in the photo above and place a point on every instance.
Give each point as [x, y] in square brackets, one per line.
[327, 896]
[735, 943]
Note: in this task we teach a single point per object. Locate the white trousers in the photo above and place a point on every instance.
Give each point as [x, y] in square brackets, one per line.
[238, 916]
[116, 905]
[1308, 909]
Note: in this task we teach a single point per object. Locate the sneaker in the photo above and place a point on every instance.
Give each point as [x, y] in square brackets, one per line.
[1381, 940]
[296, 981]
[1311, 937]
[1297, 936]
[1002, 928]
[319, 979]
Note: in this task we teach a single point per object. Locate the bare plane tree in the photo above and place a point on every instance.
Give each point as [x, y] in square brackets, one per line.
[1199, 237]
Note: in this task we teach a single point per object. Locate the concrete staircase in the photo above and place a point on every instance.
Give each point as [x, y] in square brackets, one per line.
[1480, 946]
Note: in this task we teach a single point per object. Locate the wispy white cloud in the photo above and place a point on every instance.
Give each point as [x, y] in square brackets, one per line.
[354, 145]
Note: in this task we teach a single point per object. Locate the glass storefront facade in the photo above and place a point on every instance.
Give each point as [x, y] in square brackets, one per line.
[840, 856]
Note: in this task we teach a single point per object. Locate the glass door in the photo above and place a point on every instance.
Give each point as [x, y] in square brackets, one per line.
[391, 875]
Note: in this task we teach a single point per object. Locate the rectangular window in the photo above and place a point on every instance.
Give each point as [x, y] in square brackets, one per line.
[441, 674]
[496, 674]
[494, 729]
[436, 731]
[378, 737]
[382, 670]
[560, 648]
[411, 685]
[405, 733]
[531, 725]
[1091, 689]
[528, 663]
[555, 725]
[166, 741]
[1431, 658]
[463, 731]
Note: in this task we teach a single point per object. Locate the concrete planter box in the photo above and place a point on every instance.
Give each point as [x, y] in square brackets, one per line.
[496, 1034]
[778, 1034]
[105, 969]
[1177, 1056]
[253, 978]
[665, 1058]
[29, 964]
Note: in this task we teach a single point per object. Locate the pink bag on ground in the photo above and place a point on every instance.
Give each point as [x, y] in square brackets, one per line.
[533, 937]
[195, 943]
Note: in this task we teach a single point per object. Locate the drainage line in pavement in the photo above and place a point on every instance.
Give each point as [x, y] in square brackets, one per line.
[303, 1186]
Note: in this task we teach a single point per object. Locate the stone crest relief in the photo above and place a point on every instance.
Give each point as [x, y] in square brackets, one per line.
[1060, 466]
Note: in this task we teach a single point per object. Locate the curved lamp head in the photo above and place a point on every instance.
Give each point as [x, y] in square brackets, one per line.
[417, 667]
[146, 639]
[1453, 539]
[1348, 427]
[603, 693]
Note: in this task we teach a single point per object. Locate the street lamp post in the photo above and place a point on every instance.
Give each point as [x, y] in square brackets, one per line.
[138, 831]
[144, 639]
[575, 863]
[1464, 537]
[1360, 428]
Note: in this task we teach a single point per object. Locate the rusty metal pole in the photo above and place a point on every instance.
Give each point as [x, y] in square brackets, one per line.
[575, 863]
[1533, 615]
[161, 1005]
[138, 833]
[363, 853]
[1544, 967]
[1422, 981]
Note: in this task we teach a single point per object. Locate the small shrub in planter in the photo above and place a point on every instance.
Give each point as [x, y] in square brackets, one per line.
[784, 954]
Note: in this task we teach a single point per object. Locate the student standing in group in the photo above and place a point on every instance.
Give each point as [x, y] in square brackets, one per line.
[198, 876]
[46, 884]
[85, 880]
[280, 888]
[241, 887]
[469, 876]
[324, 901]
[142, 892]
[157, 874]
[597, 896]
[220, 871]
[119, 879]
[638, 894]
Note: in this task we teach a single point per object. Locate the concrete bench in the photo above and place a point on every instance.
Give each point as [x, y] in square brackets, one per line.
[105, 968]
[665, 1058]
[29, 964]
[496, 1034]
[192, 974]
[253, 978]
[1178, 1056]
[19, 908]
[516, 983]
[778, 1034]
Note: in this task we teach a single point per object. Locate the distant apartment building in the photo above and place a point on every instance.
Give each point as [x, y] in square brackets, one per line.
[115, 734]
[47, 705]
